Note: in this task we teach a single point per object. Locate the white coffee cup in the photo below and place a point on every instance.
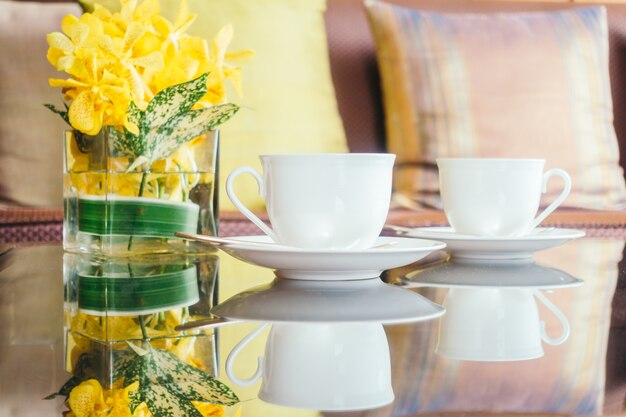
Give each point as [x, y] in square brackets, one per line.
[321, 201]
[496, 197]
[495, 324]
[330, 367]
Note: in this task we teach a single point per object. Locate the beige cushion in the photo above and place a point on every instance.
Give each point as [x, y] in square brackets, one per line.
[31, 136]
[514, 85]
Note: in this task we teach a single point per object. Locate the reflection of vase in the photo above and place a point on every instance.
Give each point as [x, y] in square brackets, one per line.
[112, 211]
[113, 302]
[121, 294]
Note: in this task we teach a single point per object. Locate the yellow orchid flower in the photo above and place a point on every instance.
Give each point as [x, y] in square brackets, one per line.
[117, 401]
[96, 93]
[171, 33]
[140, 12]
[208, 409]
[218, 69]
[124, 61]
[106, 17]
[87, 399]
[114, 59]
[78, 33]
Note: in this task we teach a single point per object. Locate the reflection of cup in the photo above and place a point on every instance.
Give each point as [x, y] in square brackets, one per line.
[496, 197]
[492, 324]
[329, 367]
[330, 201]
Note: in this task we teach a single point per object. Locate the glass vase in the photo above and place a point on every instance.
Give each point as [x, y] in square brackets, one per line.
[114, 209]
[117, 307]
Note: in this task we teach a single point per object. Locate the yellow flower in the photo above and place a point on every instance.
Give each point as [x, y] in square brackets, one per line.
[113, 59]
[209, 410]
[218, 69]
[171, 33]
[88, 399]
[117, 401]
[206, 409]
[95, 92]
[78, 34]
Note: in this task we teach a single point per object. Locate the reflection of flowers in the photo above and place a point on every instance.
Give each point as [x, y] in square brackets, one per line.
[151, 371]
[159, 327]
[89, 399]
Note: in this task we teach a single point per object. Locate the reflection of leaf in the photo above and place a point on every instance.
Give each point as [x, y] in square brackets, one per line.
[167, 385]
[83, 370]
[122, 360]
[66, 388]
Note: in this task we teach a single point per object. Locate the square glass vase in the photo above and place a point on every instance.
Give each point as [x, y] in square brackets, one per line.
[116, 309]
[114, 209]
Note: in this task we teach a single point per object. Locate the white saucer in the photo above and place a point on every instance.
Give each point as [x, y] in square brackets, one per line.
[325, 264]
[468, 246]
[469, 273]
[289, 301]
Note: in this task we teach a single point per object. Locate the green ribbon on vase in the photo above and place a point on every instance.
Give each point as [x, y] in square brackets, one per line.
[136, 216]
[122, 294]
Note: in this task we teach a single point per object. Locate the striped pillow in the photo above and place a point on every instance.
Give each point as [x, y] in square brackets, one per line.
[514, 85]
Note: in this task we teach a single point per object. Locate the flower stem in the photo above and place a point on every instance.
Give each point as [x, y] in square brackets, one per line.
[144, 177]
[144, 333]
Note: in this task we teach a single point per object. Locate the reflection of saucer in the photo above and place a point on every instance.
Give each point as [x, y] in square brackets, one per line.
[324, 264]
[369, 300]
[507, 274]
[467, 246]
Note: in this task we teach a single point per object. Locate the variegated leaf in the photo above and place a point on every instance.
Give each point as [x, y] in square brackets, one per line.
[173, 100]
[166, 124]
[162, 142]
[83, 141]
[84, 369]
[122, 359]
[191, 383]
[86, 366]
[134, 114]
[124, 144]
[167, 385]
[207, 118]
[163, 403]
[64, 115]
[65, 390]
[135, 399]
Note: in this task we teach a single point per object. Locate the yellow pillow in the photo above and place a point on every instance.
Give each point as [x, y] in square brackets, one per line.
[289, 101]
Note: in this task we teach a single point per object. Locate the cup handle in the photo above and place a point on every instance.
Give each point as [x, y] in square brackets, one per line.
[232, 356]
[567, 187]
[243, 209]
[559, 314]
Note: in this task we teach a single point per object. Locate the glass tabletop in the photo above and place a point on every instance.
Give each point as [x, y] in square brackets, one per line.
[538, 335]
